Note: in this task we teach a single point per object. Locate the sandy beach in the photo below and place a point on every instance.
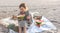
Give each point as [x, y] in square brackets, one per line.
[48, 8]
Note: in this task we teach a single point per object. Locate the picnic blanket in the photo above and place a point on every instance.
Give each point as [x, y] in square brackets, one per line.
[33, 29]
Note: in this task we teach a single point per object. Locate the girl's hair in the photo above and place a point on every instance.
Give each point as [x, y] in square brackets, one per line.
[22, 5]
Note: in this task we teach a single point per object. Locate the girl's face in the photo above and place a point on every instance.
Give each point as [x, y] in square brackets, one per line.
[22, 9]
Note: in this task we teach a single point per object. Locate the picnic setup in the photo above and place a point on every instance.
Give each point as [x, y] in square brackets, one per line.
[37, 26]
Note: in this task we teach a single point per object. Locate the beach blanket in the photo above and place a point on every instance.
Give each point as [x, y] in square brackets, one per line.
[47, 26]
[33, 29]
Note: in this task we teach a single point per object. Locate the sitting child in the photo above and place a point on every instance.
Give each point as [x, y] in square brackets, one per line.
[38, 20]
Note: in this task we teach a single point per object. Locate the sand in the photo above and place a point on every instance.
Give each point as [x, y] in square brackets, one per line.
[48, 8]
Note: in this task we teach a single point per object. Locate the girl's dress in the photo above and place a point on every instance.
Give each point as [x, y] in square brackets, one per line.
[22, 23]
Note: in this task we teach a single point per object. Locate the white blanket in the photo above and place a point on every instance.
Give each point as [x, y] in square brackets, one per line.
[32, 29]
[47, 26]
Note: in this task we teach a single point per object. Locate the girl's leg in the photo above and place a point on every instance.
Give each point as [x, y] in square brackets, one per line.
[25, 29]
[20, 31]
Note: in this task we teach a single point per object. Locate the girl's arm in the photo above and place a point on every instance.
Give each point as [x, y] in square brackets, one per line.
[28, 16]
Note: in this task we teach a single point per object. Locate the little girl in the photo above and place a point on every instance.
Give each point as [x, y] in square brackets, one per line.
[23, 12]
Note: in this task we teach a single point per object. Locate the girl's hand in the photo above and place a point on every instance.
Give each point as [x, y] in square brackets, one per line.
[28, 17]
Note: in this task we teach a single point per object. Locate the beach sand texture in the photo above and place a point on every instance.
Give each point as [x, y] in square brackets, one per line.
[48, 8]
